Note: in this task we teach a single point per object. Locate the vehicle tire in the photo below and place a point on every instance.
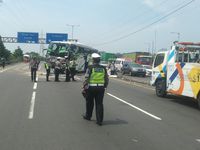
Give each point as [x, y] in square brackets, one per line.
[132, 74]
[198, 100]
[160, 88]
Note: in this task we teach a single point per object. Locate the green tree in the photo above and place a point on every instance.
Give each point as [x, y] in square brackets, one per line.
[2, 48]
[18, 54]
[7, 54]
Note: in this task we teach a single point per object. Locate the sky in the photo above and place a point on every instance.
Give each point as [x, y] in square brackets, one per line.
[117, 26]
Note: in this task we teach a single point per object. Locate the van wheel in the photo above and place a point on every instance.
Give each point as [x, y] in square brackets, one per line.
[160, 88]
[198, 101]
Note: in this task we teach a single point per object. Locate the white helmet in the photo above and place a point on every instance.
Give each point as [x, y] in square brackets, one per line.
[58, 58]
[95, 55]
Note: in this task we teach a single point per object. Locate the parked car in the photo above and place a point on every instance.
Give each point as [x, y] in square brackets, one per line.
[148, 70]
[133, 69]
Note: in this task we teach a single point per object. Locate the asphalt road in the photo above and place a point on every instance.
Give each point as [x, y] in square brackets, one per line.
[47, 116]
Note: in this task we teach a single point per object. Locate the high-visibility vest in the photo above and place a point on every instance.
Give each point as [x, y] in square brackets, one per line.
[46, 66]
[97, 76]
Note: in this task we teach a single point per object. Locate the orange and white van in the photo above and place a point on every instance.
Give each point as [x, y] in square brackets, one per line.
[177, 71]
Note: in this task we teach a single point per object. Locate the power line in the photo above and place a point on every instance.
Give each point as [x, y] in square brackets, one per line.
[127, 21]
[147, 26]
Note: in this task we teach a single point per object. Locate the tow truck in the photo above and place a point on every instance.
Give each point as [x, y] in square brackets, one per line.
[177, 71]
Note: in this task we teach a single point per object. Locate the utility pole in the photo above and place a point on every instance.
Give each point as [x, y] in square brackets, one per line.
[149, 46]
[178, 34]
[155, 40]
[152, 50]
[41, 45]
[72, 26]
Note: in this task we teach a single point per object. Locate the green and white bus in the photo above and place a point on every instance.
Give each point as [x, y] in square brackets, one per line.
[74, 50]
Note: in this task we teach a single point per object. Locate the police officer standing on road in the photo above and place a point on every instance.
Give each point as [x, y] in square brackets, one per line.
[67, 71]
[47, 66]
[97, 80]
[3, 62]
[72, 68]
[34, 67]
[57, 69]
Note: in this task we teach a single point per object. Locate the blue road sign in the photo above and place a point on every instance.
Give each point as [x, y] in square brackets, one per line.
[56, 37]
[27, 37]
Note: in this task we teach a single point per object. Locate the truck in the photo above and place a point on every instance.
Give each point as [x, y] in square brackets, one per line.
[177, 71]
[106, 58]
[143, 58]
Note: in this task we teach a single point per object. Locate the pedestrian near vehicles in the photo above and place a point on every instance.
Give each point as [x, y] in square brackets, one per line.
[3, 63]
[47, 66]
[34, 67]
[72, 68]
[67, 71]
[96, 80]
[57, 69]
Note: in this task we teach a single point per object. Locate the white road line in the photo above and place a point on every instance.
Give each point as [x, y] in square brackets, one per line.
[143, 111]
[36, 78]
[198, 140]
[35, 86]
[31, 112]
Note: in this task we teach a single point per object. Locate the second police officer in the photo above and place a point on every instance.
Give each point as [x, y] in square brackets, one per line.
[96, 79]
[47, 66]
[67, 71]
[57, 69]
[72, 68]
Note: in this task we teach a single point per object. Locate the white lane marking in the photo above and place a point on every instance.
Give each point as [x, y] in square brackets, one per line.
[36, 78]
[31, 112]
[35, 86]
[198, 140]
[145, 112]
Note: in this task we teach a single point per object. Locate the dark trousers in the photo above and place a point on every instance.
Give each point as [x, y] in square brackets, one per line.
[33, 74]
[72, 72]
[67, 77]
[47, 74]
[57, 72]
[3, 65]
[95, 94]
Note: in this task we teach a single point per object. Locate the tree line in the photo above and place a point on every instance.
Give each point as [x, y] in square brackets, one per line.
[8, 56]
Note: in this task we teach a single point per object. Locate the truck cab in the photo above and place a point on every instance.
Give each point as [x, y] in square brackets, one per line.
[177, 71]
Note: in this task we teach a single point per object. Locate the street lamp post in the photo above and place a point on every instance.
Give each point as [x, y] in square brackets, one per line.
[72, 26]
[178, 34]
[149, 46]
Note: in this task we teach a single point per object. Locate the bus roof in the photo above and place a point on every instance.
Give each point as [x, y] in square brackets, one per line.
[73, 43]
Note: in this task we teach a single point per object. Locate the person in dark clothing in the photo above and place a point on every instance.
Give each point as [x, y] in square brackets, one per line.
[57, 69]
[47, 66]
[34, 68]
[3, 63]
[94, 86]
[67, 71]
[72, 68]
